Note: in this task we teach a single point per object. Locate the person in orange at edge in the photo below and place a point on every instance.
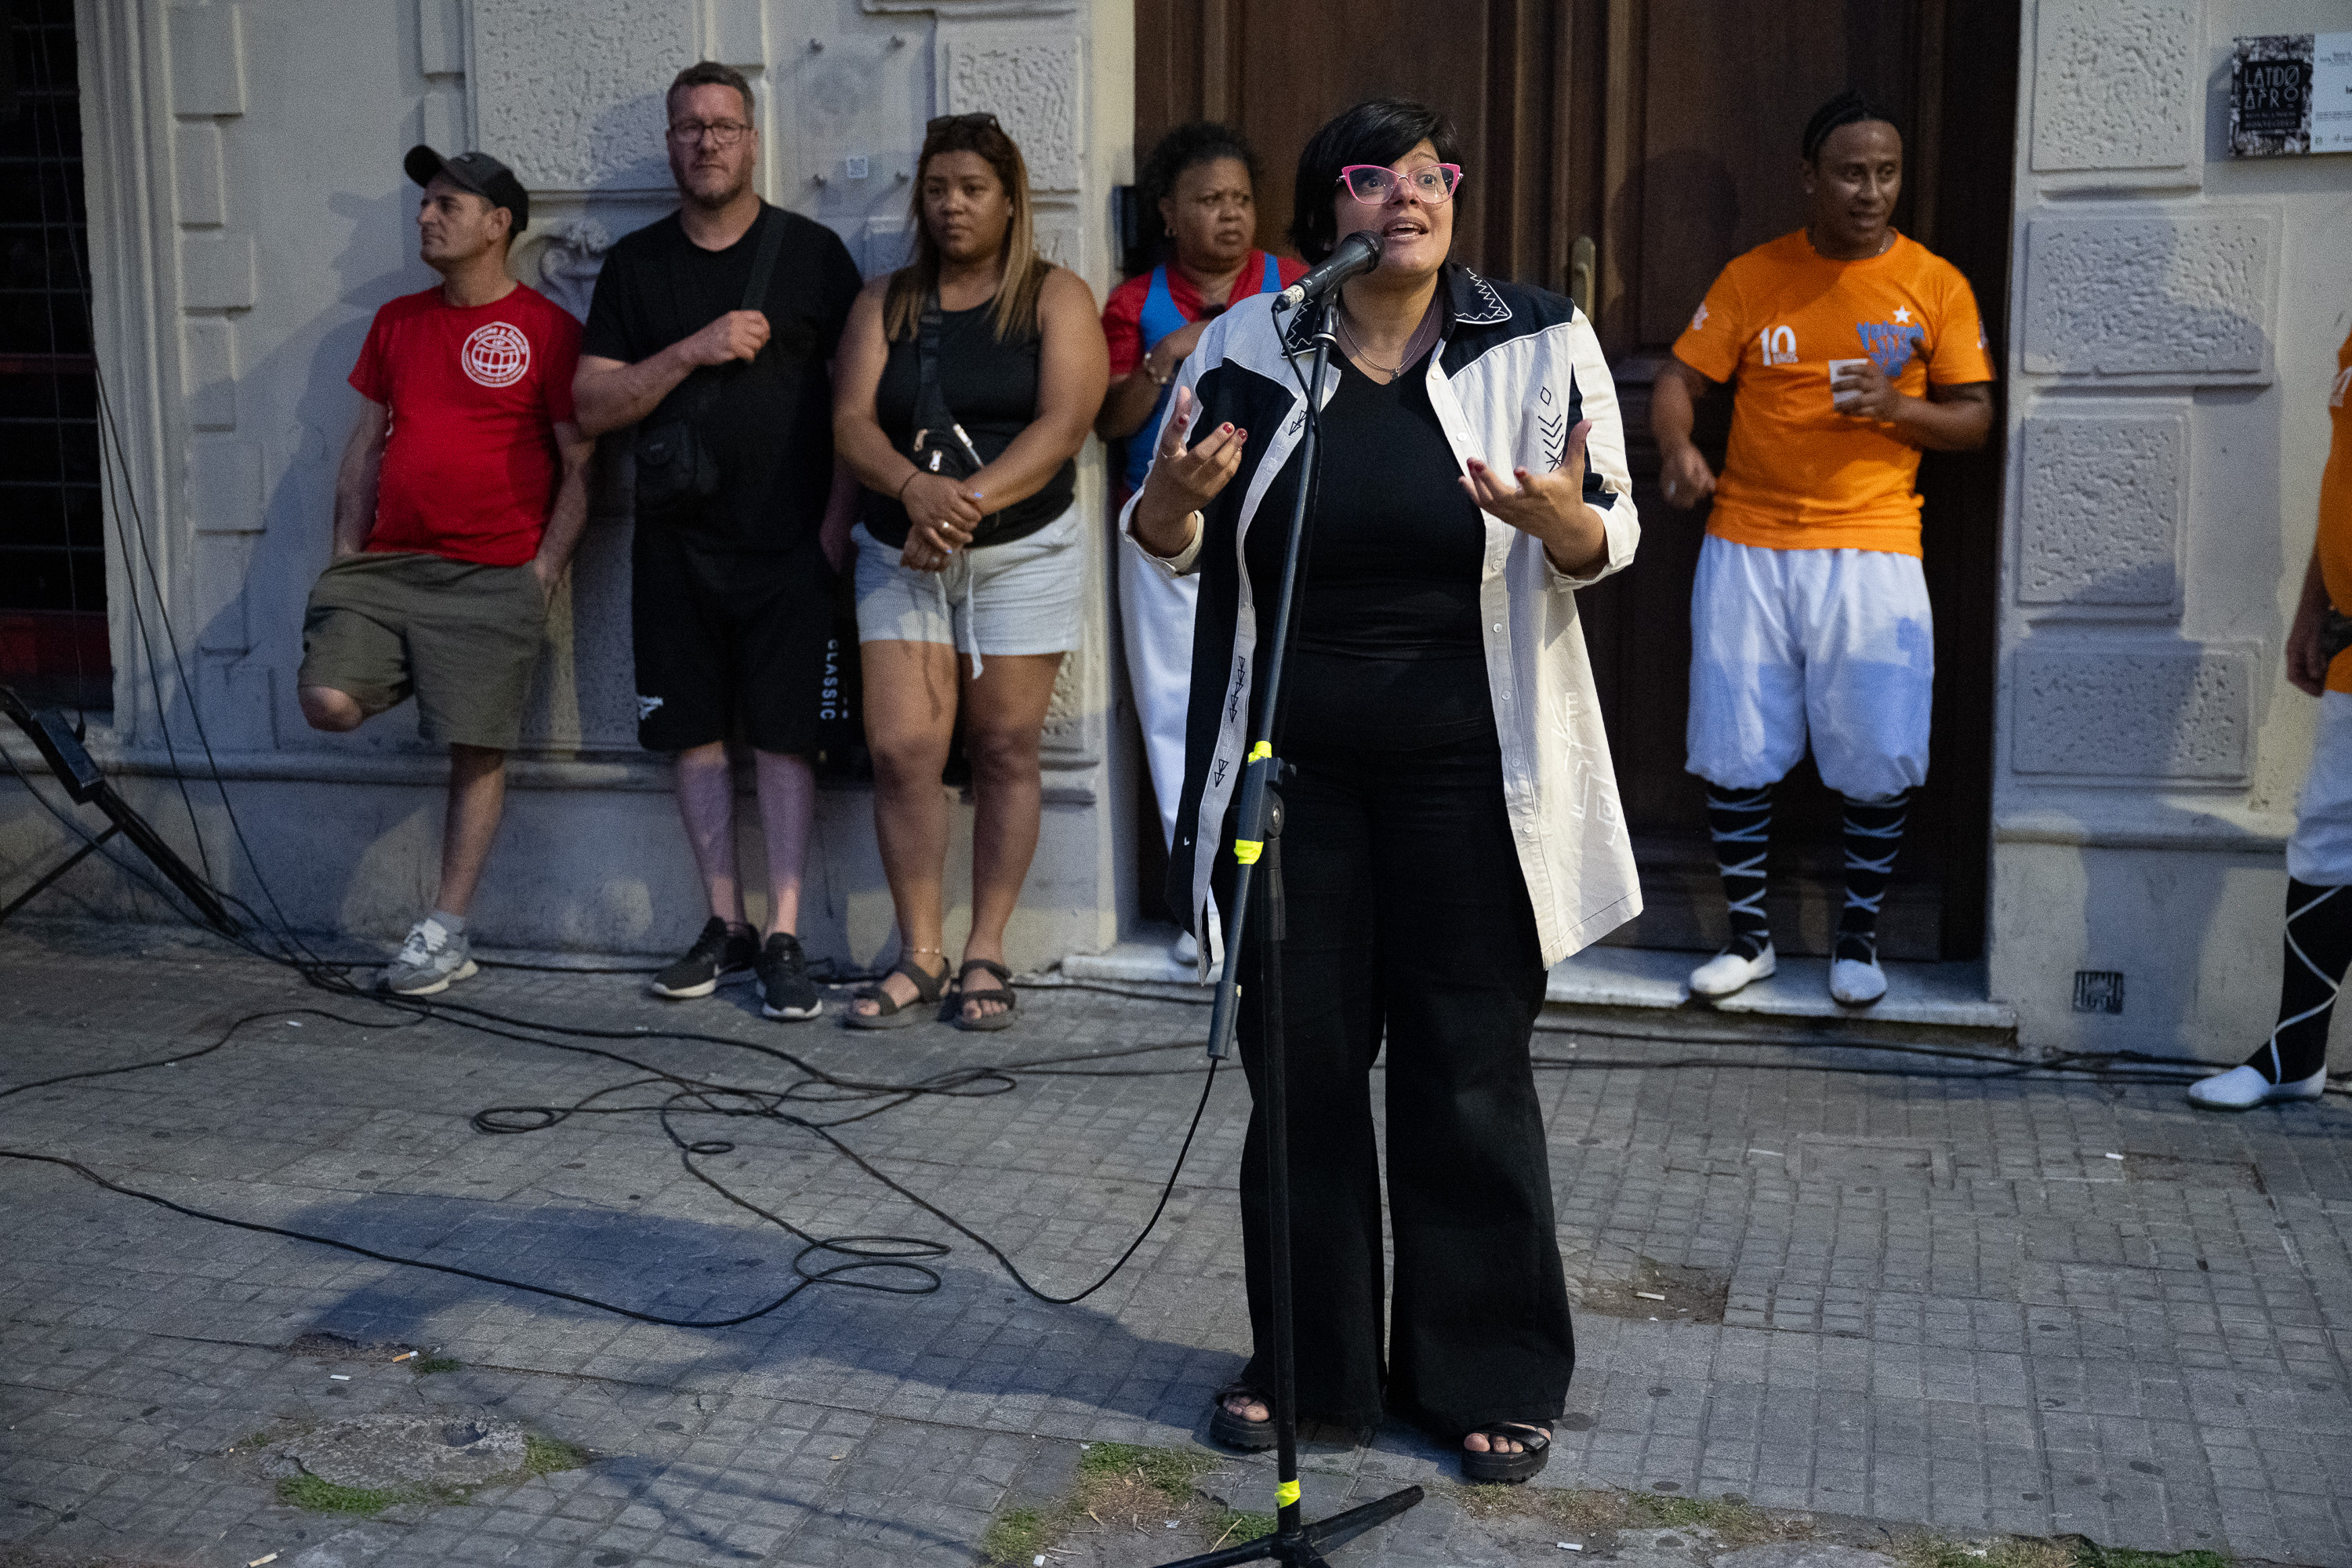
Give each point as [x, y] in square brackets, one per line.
[2293, 1063]
[1854, 349]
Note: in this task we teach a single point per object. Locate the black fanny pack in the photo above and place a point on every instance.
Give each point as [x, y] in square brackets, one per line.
[677, 465]
[940, 444]
[2335, 635]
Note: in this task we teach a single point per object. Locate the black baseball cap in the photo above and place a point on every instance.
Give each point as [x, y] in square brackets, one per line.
[476, 171]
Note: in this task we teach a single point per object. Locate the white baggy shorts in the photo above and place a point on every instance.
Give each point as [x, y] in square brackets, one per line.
[1155, 614]
[1837, 645]
[2320, 853]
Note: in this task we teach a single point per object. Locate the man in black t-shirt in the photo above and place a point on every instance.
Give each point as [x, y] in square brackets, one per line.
[732, 580]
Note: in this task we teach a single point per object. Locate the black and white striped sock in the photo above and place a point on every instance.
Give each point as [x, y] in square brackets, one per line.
[1740, 822]
[1874, 837]
[2318, 951]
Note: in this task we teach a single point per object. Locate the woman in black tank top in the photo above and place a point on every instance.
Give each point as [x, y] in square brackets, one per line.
[970, 562]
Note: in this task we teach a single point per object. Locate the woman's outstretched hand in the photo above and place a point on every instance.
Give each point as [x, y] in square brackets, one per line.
[1184, 478]
[1549, 506]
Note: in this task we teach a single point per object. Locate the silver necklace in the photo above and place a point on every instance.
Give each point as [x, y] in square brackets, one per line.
[1354, 347]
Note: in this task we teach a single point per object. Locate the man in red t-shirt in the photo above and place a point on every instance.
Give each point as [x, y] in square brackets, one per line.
[462, 492]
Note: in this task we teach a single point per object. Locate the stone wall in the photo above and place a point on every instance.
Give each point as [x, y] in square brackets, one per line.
[248, 216]
[2177, 315]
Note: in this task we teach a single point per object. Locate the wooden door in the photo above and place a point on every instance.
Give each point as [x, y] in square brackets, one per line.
[1666, 131]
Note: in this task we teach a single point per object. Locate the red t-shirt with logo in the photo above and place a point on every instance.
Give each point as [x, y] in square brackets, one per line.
[470, 462]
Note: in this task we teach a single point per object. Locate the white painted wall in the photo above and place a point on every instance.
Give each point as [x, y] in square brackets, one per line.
[2175, 321]
[248, 216]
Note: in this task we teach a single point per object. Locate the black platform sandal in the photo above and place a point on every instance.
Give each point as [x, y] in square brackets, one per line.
[889, 1013]
[952, 1005]
[1508, 1469]
[1239, 1431]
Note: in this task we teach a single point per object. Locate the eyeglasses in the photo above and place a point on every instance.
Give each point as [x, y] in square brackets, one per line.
[981, 119]
[1373, 184]
[725, 132]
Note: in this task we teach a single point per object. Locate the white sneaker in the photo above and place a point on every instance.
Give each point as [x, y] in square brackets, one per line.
[1185, 950]
[429, 962]
[1856, 983]
[1727, 972]
[2242, 1088]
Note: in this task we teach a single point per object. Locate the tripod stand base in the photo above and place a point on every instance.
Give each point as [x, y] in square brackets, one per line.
[1306, 1548]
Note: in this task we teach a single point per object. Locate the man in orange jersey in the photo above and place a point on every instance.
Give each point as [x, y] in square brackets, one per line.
[1854, 349]
[2293, 1063]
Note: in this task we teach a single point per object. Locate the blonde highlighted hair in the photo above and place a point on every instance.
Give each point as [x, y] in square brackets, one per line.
[1024, 279]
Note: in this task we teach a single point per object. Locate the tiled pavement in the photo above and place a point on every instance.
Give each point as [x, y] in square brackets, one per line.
[1916, 1299]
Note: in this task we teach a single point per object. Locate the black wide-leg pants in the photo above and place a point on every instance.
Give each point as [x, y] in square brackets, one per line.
[1409, 918]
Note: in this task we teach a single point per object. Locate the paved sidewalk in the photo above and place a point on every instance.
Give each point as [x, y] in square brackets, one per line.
[1917, 1300]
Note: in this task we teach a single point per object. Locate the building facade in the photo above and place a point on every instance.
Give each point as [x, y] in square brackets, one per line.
[2172, 319]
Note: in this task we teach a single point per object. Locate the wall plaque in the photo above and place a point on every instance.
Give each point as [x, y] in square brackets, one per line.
[2291, 93]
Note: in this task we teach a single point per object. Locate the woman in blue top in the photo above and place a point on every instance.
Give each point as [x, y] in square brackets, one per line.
[1201, 180]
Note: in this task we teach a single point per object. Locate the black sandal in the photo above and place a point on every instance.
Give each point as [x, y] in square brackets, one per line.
[951, 1007]
[889, 1013]
[1508, 1469]
[1239, 1431]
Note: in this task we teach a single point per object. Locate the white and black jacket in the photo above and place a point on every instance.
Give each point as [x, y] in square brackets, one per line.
[1516, 369]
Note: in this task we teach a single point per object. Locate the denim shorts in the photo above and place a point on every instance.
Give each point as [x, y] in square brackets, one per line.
[1026, 596]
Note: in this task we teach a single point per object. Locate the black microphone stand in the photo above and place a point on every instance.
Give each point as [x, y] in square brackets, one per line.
[1258, 847]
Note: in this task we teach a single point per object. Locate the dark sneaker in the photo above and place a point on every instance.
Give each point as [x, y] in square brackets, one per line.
[785, 989]
[718, 957]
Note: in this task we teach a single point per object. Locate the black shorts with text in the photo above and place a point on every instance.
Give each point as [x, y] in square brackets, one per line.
[730, 645]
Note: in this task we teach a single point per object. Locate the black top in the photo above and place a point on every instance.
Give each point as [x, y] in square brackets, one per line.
[1388, 655]
[771, 427]
[990, 387]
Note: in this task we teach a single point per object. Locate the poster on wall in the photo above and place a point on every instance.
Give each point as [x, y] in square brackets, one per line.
[2291, 93]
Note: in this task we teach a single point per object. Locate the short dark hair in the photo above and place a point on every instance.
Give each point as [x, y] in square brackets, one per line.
[1852, 106]
[1188, 147]
[1380, 131]
[710, 73]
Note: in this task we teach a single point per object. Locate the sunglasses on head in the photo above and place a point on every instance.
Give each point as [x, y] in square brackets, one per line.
[980, 119]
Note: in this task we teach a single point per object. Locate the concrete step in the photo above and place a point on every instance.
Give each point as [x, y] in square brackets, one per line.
[1937, 995]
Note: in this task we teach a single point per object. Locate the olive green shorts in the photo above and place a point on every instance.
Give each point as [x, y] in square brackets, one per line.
[462, 638]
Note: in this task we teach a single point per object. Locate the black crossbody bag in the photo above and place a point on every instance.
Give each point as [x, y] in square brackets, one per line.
[939, 445]
[2335, 636]
[676, 464]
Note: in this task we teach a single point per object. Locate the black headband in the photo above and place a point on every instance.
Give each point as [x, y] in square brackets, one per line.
[1848, 108]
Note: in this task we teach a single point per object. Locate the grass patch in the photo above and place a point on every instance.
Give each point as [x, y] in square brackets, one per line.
[427, 1365]
[2005, 1551]
[1020, 1534]
[1598, 1510]
[546, 1455]
[2027, 1551]
[2090, 1554]
[1231, 1529]
[1120, 1486]
[1169, 1471]
[326, 1497]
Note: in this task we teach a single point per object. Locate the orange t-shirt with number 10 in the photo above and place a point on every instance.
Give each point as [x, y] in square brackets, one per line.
[2335, 508]
[1799, 475]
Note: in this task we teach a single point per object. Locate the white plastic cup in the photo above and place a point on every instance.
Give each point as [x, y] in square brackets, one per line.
[1842, 402]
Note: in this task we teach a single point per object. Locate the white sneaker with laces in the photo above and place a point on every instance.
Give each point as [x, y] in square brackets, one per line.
[1856, 983]
[1727, 971]
[430, 961]
[2242, 1088]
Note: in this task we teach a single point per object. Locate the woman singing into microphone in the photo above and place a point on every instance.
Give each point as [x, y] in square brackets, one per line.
[1452, 825]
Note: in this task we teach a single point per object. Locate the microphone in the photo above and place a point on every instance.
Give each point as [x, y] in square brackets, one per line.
[1360, 252]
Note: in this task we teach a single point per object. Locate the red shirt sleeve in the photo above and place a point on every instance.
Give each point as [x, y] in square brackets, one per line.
[562, 350]
[1291, 268]
[372, 377]
[1123, 324]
